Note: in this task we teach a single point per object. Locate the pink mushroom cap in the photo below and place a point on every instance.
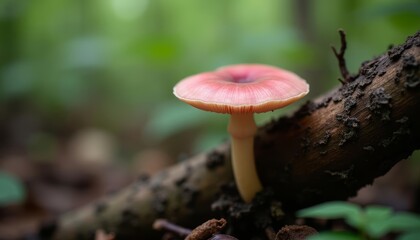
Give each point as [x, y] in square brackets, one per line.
[242, 88]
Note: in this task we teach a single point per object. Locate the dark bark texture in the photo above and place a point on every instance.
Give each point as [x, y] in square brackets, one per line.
[327, 150]
[333, 146]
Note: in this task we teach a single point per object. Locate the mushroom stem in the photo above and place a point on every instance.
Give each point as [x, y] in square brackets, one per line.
[242, 129]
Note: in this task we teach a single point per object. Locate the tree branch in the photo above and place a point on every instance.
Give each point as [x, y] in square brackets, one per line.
[341, 60]
[339, 143]
[327, 150]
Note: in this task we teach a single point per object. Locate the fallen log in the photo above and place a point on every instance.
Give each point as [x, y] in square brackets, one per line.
[327, 150]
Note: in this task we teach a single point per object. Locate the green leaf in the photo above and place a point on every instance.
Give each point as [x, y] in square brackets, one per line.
[11, 189]
[404, 222]
[375, 220]
[331, 210]
[374, 213]
[399, 222]
[335, 236]
[410, 236]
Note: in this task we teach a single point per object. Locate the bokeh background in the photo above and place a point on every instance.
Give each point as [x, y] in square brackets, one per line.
[86, 100]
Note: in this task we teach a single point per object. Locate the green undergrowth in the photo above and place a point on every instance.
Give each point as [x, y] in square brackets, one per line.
[371, 222]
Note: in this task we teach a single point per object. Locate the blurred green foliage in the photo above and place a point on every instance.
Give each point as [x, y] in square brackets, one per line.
[11, 190]
[373, 222]
[114, 62]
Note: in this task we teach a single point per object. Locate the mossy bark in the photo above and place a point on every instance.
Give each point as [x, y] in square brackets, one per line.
[327, 150]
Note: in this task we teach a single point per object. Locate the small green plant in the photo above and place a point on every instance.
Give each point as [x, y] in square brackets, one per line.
[372, 222]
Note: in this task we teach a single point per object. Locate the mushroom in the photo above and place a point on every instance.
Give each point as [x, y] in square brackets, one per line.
[242, 90]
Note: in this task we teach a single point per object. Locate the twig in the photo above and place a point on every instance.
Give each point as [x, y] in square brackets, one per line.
[207, 229]
[202, 232]
[163, 224]
[340, 57]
